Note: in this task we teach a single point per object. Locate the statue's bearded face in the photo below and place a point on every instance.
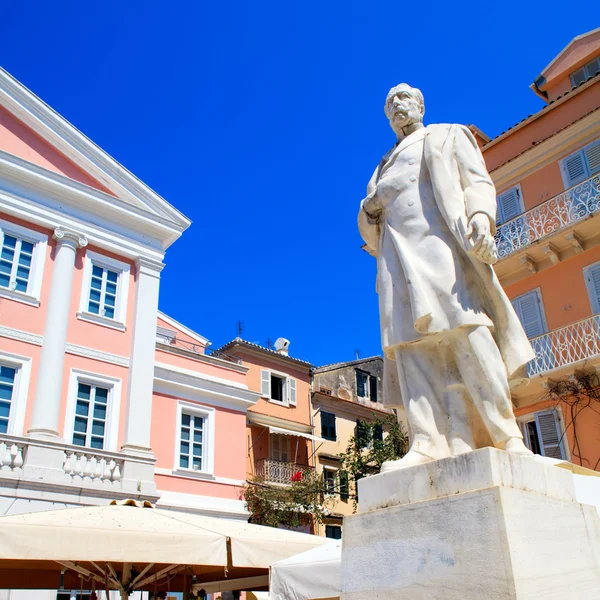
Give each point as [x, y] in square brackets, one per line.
[403, 107]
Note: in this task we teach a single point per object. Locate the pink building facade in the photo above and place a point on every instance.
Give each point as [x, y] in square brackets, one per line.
[101, 396]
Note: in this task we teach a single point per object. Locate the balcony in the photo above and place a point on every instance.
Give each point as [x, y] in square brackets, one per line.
[569, 208]
[282, 473]
[565, 346]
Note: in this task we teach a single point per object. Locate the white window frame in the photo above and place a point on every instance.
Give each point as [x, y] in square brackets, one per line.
[18, 403]
[208, 438]
[114, 385]
[502, 219]
[524, 419]
[594, 301]
[333, 470]
[123, 269]
[287, 391]
[563, 171]
[38, 261]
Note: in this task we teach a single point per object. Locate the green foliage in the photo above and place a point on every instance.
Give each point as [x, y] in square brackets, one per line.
[295, 505]
[369, 448]
[306, 500]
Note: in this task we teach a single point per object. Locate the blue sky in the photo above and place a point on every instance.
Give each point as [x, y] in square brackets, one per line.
[262, 122]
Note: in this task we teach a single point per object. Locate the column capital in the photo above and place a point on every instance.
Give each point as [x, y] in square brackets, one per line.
[147, 266]
[68, 236]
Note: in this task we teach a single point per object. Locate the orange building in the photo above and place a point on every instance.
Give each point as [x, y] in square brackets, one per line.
[547, 174]
[280, 440]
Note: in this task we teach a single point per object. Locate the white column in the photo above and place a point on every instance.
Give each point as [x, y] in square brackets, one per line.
[141, 364]
[46, 407]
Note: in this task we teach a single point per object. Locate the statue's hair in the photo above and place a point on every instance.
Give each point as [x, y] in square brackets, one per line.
[412, 90]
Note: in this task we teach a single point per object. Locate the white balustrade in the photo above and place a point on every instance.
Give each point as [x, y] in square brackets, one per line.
[275, 471]
[565, 346]
[88, 466]
[11, 456]
[561, 211]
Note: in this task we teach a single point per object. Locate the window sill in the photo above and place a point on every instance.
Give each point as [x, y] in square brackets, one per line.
[191, 473]
[104, 321]
[19, 297]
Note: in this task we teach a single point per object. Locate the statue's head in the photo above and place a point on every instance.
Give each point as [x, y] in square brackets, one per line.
[404, 106]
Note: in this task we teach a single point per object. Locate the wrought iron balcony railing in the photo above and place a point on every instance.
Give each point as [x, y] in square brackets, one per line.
[565, 346]
[567, 208]
[275, 471]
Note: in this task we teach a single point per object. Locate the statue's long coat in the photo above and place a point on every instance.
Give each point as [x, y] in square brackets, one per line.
[461, 187]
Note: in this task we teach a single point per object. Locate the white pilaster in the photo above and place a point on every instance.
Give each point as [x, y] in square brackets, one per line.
[46, 407]
[141, 369]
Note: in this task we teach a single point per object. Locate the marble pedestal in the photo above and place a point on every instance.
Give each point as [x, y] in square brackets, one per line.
[486, 525]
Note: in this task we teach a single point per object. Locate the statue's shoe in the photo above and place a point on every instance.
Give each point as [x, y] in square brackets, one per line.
[516, 445]
[411, 459]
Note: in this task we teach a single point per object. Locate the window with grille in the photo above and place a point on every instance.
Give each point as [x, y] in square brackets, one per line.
[103, 292]
[191, 442]
[588, 70]
[329, 481]
[91, 412]
[7, 388]
[328, 430]
[16, 259]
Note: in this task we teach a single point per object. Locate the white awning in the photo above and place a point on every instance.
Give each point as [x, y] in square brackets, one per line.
[308, 436]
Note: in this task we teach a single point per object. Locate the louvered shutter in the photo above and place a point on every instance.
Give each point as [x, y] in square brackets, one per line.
[292, 391]
[509, 205]
[575, 169]
[529, 311]
[592, 279]
[592, 154]
[549, 434]
[265, 383]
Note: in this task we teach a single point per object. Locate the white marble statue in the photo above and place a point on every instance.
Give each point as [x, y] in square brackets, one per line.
[453, 344]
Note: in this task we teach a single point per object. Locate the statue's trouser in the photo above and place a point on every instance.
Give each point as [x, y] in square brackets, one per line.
[440, 377]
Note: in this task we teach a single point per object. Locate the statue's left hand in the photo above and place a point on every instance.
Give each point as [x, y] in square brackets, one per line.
[484, 245]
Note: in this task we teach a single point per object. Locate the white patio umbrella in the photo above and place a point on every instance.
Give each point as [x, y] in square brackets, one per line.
[311, 575]
[129, 547]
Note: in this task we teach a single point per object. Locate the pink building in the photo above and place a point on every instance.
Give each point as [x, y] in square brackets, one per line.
[101, 396]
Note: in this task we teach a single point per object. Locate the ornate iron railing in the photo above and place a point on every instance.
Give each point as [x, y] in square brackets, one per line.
[565, 346]
[565, 209]
[276, 471]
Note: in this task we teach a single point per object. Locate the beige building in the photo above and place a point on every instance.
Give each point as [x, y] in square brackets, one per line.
[343, 393]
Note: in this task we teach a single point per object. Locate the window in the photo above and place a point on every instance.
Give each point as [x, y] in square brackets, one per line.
[22, 256]
[280, 448]
[105, 290]
[93, 407]
[378, 433]
[329, 481]
[191, 441]
[333, 532]
[278, 387]
[529, 310]
[542, 434]
[510, 205]
[7, 388]
[328, 431]
[91, 412]
[581, 165]
[366, 385]
[591, 273]
[344, 485]
[588, 70]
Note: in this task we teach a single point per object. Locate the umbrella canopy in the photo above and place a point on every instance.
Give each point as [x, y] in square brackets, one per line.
[314, 574]
[135, 547]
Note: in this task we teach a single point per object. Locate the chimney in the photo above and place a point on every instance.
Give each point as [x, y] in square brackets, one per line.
[282, 346]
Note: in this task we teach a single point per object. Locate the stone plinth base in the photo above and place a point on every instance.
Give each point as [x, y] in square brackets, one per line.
[483, 526]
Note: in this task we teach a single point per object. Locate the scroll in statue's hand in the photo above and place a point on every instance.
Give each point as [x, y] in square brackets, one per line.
[372, 206]
[484, 245]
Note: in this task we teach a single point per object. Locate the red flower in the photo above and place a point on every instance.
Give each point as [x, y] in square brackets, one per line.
[297, 476]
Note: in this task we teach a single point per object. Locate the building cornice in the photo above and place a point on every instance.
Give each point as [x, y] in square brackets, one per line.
[349, 406]
[255, 418]
[202, 358]
[174, 323]
[242, 346]
[78, 148]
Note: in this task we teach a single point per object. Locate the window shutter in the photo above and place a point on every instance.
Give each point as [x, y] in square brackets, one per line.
[360, 384]
[344, 485]
[549, 434]
[324, 424]
[575, 169]
[373, 388]
[292, 391]
[592, 153]
[265, 383]
[509, 205]
[529, 311]
[592, 276]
